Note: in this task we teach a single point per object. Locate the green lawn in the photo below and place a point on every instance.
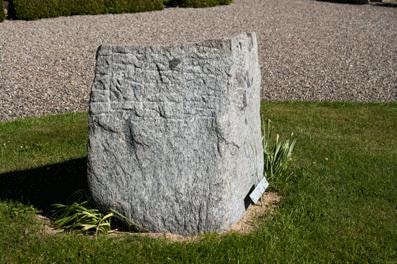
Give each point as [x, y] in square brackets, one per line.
[341, 206]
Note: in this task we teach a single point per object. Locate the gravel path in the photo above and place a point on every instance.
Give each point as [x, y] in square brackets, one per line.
[308, 50]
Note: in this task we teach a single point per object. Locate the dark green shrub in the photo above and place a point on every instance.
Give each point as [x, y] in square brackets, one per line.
[225, 2]
[144, 5]
[132, 6]
[87, 7]
[198, 3]
[202, 3]
[58, 8]
[116, 6]
[170, 3]
[25, 9]
[35, 9]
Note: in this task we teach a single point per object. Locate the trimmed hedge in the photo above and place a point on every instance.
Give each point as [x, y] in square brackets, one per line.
[132, 6]
[35, 9]
[202, 3]
[87, 7]
[357, 2]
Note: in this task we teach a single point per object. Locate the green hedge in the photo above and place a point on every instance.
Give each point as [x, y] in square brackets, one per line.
[132, 6]
[35, 9]
[202, 3]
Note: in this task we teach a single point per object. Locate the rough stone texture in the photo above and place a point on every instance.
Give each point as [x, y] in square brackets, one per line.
[174, 133]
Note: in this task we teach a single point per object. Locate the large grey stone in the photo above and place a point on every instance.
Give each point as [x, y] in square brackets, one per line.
[174, 133]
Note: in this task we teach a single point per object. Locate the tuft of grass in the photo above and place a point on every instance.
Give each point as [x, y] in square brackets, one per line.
[277, 154]
[77, 217]
[340, 206]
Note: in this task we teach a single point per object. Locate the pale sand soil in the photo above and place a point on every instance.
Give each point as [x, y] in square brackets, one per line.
[309, 50]
[248, 223]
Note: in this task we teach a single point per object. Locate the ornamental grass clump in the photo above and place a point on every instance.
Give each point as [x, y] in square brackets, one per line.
[277, 154]
[77, 217]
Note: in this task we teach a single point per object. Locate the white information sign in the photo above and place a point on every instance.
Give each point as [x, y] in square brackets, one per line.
[256, 194]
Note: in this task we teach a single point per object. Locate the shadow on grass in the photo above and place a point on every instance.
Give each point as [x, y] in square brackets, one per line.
[43, 186]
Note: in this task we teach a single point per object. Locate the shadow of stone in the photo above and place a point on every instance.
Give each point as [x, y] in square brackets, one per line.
[247, 199]
[43, 186]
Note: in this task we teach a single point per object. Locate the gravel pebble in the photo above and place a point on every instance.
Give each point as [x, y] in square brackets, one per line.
[309, 50]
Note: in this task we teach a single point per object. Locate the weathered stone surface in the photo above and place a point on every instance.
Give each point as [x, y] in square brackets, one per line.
[174, 133]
